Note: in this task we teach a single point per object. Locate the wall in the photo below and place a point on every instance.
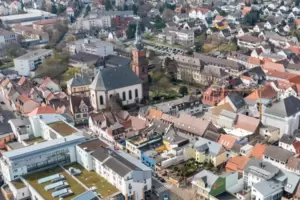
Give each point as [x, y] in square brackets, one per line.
[84, 158]
[148, 161]
[19, 193]
[219, 159]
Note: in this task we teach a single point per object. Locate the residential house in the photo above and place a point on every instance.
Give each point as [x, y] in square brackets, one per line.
[209, 151]
[177, 36]
[81, 108]
[249, 42]
[189, 104]
[44, 25]
[209, 185]
[26, 105]
[277, 156]
[79, 85]
[200, 13]
[283, 114]
[32, 34]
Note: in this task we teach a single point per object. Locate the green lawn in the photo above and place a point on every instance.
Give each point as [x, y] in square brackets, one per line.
[32, 179]
[91, 178]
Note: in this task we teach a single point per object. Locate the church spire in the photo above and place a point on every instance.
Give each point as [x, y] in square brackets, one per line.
[138, 36]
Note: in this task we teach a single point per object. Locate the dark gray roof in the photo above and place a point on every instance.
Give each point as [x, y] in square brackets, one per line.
[117, 61]
[100, 154]
[284, 108]
[119, 164]
[114, 78]
[278, 153]
[287, 139]
[237, 100]
[84, 57]
[211, 135]
[255, 71]
[79, 80]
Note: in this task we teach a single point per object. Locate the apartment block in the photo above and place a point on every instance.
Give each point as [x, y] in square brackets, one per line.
[181, 37]
[26, 65]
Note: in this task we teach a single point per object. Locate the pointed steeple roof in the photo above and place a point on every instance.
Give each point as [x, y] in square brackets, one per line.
[138, 37]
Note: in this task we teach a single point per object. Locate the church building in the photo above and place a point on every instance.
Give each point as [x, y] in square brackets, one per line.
[128, 85]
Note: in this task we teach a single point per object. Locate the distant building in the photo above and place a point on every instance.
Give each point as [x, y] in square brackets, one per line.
[7, 37]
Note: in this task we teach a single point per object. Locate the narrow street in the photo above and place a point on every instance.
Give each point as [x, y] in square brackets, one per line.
[7, 114]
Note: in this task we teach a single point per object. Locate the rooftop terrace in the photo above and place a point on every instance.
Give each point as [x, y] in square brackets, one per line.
[34, 140]
[32, 179]
[62, 128]
[18, 184]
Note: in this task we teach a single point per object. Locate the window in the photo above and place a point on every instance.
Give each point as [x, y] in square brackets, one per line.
[124, 96]
[136, 93]
[101, 100]
[130, 94]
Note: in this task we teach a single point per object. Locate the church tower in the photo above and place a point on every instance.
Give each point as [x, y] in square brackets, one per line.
[139, 61]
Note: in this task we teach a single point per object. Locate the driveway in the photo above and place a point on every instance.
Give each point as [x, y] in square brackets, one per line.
[7, 114]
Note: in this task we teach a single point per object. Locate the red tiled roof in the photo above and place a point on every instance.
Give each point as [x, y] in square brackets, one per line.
[227, 141]
[274, 66]
[268, 92]
[42, 110]
[258, 151]
[296, 146]
[254, 61]
[295, 79]
[295, 49]
[45, 22]
[247, 123]
[237, 163]
[281, 75]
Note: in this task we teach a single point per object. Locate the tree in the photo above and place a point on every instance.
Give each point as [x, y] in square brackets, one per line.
[130, 32]
[107, 5]
[251, 18]
[53, 9]
[297, 2]
[125, 7]
[61, 8]
[183, 90]
[134, 9]
[13, 50]
[87, 10]
[159, 22]
[54, 66]
[198, 48]
[183, 10]
[169, 6]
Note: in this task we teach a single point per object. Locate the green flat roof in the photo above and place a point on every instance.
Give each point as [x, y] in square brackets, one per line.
[32, 179]
[62, 128]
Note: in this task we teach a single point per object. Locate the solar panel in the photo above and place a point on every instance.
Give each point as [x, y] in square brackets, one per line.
[55, 185]
[49, 178]
[61, 192]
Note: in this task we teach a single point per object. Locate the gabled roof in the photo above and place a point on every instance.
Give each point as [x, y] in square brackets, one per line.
[258, 151]
[287, 139]
[237, 163]
[237, 100]
[227, 141]
[278, 153]
[79, 80]
[114, 78]
[42, 110]
[267, 93]
[285, 107]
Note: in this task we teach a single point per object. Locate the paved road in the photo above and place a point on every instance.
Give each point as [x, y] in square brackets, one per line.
[164, 190]
[7, 114]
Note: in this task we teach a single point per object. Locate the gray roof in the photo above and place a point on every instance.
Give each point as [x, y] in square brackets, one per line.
[278, 153]
[211, 135]
[116, 162]
[174, 138]
[287, 139]
[88, 195]
[207, 177]
[117, 61]
[267, 188]
[237, 100]
[79, 80]
[284, 108]
[210, 147]
[20, 122]
[288, 180]
[84, 57]
[261, 169]
[114, 78]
